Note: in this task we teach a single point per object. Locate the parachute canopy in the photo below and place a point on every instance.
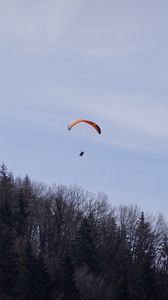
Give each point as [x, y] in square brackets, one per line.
[94, 125]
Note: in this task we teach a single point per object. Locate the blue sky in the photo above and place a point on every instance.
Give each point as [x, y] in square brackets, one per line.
[101, 60]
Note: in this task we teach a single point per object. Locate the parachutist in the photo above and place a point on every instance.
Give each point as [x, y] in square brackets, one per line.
[94, 125]
[91, 123]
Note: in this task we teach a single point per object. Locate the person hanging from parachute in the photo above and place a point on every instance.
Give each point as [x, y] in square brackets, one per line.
[93, 124]
[81, 153]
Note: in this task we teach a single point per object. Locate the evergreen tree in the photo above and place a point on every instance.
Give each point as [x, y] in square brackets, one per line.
[120, 291]
[26, 271]
[121, 266]
[163, 269]
[144, 286]
[7, 188]
[33, 283]
[42, 283]
[26, 282]
[8, 257]
[83, 248]
[22, 213]
[64, 285]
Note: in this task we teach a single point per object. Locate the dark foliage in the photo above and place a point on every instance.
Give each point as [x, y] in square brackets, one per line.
[63, 243]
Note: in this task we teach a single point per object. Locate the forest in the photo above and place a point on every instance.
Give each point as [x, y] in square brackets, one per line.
[64, 243]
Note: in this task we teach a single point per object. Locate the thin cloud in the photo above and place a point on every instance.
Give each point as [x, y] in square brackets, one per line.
[33, 24]
[140, 112]
[136, 122]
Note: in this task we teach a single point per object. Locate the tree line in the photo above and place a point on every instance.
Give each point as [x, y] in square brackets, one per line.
[65, 243]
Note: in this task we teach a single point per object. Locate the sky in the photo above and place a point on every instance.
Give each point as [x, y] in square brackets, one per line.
[105, 61]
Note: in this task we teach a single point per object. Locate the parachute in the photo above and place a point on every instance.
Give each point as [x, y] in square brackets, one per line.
[93, 124]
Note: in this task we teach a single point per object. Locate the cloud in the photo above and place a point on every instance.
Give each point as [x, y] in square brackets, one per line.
[101, 33]
[34, 24]
[107, 31]
[134, 121]
[140, 112]
[130, 121]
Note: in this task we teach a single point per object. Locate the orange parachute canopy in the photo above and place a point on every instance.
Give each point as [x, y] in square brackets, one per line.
[94, 125]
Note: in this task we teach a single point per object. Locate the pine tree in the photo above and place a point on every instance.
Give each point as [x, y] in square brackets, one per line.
[26, 270]
[22, 214]
[7, 188]
[121, 266]
[144, 272]
[64, 284]
[120, 291]
[42, 282]
[8, 257]
[83, 248]
[163, 269]
[34, 280]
